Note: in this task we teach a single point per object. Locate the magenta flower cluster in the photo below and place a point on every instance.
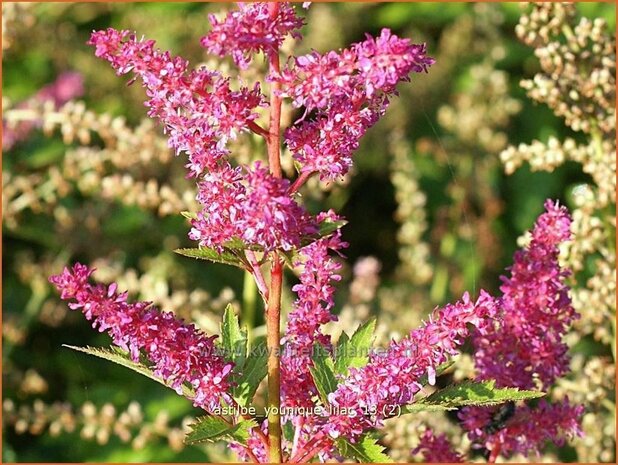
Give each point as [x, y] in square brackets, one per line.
[348, 91]
[251, 205]
[312, 309]
[525, 349]
[198, 108]
[528, 430]
[201, 112]
[251, 29]
[392, 378]
[179, 353]
[436, 448]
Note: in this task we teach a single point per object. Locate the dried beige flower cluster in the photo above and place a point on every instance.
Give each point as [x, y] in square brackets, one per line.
[577, 81]
[105, 158]
[578, 63]
[591, 388]
[413, 252]
[95, 424]
[16, 18]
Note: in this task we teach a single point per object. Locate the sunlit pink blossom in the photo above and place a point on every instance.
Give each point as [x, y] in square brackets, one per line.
[528, 430]
[179, 353]
[312, 309]
[250, 205]
[525, 347]
[251, 29]
[198, 108]
[393, 377]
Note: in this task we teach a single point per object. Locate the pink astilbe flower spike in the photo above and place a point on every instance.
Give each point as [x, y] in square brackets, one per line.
[179, 353]
[525, 349]
[326, 144]
[528, 344]
[312, 309]
[349, 92]
[251, 29]
[198, 108]
[528, 430]
[250, 205]
[437, 449]
[365, 69]
[392, 378]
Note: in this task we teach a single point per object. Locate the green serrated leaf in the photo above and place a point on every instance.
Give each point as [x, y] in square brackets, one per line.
[251, 374]
[419, 407]
[477, 393]
[210, 429]
[116, 355]
[189, 215]
[233, 338]
[329, 226]
[365, 450]
[235, 243]
[205, 253]
[323, 373]
[354, 351]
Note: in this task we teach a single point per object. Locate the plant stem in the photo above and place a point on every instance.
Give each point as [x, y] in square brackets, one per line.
[273, 312]
[256, 272]
[310, 450]
[297, 433]
[495, 452]
[300, 180]
[274, 129]
[273, 322]
[307, 448]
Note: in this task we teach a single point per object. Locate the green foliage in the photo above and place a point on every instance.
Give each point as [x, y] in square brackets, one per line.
[252, 373]
[120, 357]
[233, 338]
[206, 253]
[211, 429]
[470, 393]
[328, 226]
[323, 373]
[365, 450]
[249, 368]
[354, 352]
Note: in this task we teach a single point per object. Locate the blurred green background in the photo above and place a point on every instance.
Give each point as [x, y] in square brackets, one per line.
[429, 199]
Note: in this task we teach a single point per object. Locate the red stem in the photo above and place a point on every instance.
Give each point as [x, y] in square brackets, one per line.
[256, 128]
[307, 448]
[319, 446]
[251, 454]
[300, 180]
[495, 452]
[256, 271]
[273, 323]
[274, 129]
[273, 312]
